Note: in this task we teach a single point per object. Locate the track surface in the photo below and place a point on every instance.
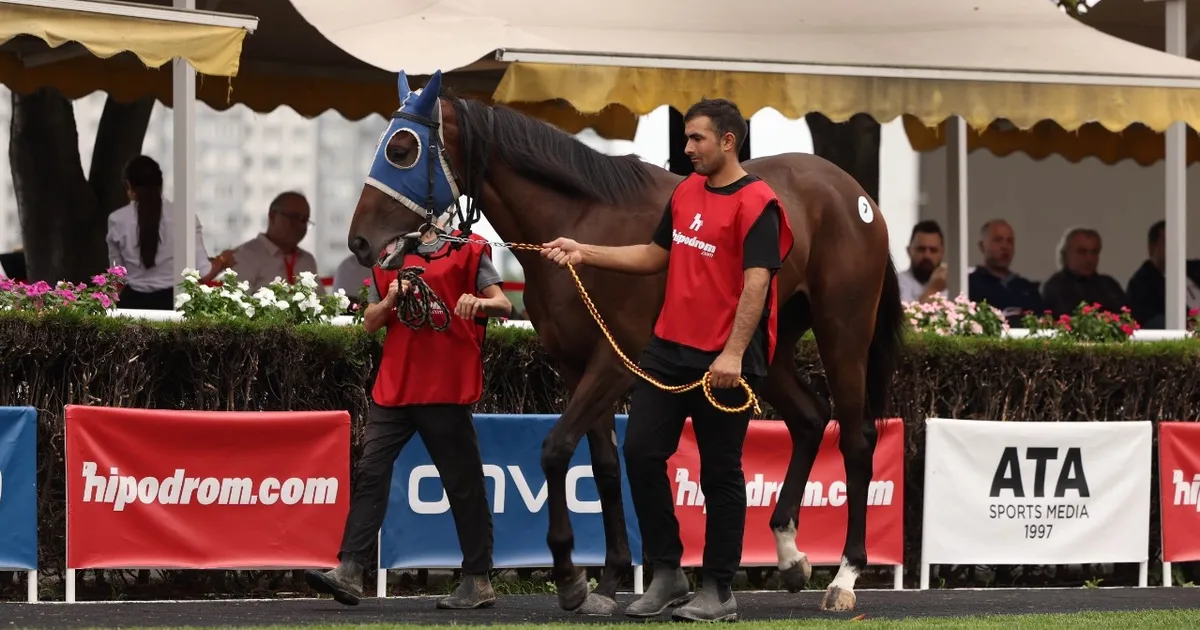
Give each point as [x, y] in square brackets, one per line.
[543, 608]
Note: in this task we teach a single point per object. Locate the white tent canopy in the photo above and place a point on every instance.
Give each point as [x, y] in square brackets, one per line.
[969, 63]
[1005, 40]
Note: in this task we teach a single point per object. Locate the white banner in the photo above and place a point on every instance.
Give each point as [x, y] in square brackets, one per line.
[1036, 492]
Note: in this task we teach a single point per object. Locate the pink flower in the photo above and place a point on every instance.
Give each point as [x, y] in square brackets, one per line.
[118, 271]
[366, 282]
[102, 298]
[41, 287]
[99, 281]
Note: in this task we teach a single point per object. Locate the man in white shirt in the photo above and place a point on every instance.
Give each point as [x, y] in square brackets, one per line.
[926, 276]
[277, 252]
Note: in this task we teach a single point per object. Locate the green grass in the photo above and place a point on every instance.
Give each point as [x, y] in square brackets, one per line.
[1108, 621]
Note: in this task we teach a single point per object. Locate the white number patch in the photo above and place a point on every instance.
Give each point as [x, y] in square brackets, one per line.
[864, 210]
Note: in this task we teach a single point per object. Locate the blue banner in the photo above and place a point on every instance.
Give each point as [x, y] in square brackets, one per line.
[18, 488]
[419, 532]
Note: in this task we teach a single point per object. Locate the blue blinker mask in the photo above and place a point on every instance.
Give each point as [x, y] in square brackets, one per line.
[426, 186]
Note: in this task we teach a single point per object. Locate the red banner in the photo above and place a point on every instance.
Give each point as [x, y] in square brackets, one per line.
[822, 527]
[1179, 489]
[205, 490]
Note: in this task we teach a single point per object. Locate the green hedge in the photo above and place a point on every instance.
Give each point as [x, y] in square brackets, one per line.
[52, 360]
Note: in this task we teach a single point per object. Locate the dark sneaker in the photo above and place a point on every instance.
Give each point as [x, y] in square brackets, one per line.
[707, 606]
[475, 591]
[344, 582]
[668, 588]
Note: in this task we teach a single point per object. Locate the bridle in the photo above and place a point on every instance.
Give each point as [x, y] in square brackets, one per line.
[465, 219]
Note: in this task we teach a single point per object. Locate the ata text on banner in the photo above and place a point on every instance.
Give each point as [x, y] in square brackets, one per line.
[821, 531]
[1179, 489]
[18, 488]
[419, 532]
[205, 489]
[1036, 492]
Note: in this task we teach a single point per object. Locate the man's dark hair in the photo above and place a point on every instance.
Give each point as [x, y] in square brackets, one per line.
[1156, 232]
[725, 117]
[926, 227]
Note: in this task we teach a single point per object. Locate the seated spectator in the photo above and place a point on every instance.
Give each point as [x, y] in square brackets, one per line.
[141, 238]
[276, 253]
[1077, 280]
[1147, 288]
[926, 276]
[996, 283]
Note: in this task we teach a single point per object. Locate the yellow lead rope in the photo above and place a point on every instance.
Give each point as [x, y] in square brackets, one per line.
[751, 399]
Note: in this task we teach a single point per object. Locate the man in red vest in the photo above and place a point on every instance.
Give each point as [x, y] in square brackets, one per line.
[426, 384]
[721, 239]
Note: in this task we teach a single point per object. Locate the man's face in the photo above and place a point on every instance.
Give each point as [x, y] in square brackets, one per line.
[704, 147]
[998, 245]
[290, 222]
[925, 251]
[1083, 254]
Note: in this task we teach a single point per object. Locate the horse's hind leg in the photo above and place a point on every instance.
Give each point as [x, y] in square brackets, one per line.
[844, 332]
[594, 395]
[606, 469]
[805, 415]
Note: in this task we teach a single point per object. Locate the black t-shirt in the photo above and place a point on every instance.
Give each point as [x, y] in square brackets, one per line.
[760, 249]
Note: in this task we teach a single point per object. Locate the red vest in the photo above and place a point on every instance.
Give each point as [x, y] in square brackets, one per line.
[424, 366]
[704, 273]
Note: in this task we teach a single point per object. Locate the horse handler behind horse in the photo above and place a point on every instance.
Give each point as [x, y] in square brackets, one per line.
[721, 241]
[426, 383]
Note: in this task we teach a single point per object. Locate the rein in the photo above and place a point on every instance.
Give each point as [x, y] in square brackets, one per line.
[703, 382]
[414, 311]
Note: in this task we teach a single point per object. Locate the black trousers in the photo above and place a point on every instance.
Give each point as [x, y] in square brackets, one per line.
[655, 424]
[160, 300]
[448, 433]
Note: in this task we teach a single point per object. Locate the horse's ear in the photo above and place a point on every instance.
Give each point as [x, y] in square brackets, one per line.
[427, 100]
[402, 86]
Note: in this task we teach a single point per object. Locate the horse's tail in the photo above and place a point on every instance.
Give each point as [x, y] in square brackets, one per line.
[885, 343]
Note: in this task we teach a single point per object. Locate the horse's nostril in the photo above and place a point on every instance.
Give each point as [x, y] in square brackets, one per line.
[360, 246]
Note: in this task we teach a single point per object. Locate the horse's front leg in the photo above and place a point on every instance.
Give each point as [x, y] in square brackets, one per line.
[594, 395]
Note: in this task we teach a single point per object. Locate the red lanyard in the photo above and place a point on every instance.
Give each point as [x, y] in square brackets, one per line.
[289, 263]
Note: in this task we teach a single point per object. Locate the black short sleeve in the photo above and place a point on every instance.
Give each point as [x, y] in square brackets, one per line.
[761, 247]
[663, 234]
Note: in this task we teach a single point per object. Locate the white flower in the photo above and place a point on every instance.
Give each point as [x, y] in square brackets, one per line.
[308, 279]
[243, 286]
[281, 305]
[205, 289]
[343, 302]
[299, 297]
[182, 299]
[249, 311]
[191, 276]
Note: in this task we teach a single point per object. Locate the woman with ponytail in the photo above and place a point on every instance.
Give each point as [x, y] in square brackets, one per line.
[141, 238]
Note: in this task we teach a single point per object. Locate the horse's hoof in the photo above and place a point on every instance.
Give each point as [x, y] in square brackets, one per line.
[796, 576]
[838, 600]
[598, 606]
[572, 594]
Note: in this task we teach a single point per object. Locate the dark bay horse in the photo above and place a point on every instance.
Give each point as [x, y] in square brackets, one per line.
[534, 183]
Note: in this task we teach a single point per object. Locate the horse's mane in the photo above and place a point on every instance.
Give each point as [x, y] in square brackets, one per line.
[544, 154]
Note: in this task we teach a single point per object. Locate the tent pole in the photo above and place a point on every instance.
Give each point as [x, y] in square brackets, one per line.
[1176, 193]
[184, 149]
[957, 243]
